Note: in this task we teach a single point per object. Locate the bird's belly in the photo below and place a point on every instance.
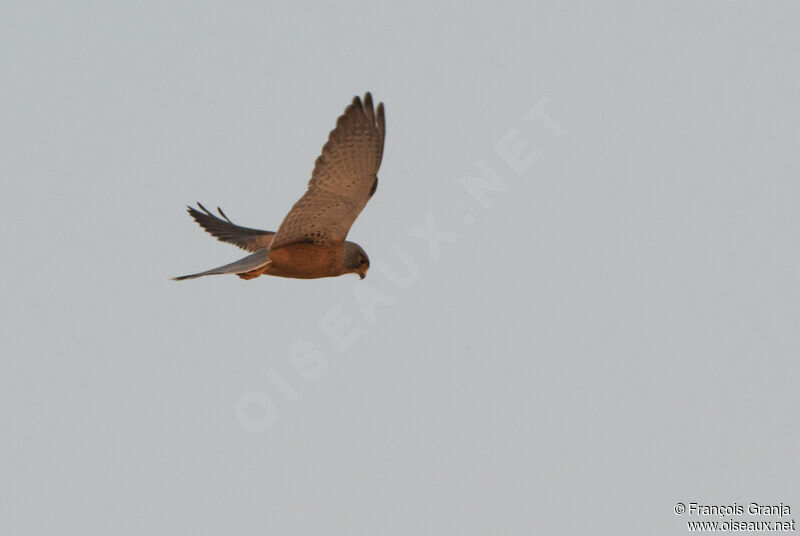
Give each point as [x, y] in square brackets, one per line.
[307, 261]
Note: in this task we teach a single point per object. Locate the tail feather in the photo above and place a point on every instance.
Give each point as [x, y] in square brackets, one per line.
[258, 259]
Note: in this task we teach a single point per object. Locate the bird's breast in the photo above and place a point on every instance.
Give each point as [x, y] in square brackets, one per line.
[307, 261]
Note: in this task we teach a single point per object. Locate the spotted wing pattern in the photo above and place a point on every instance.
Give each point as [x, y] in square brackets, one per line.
[343, 180]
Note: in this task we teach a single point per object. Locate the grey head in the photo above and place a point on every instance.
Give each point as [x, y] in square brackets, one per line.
[356, 260]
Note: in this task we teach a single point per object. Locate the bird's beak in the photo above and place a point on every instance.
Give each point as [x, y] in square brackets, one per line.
[362, 275]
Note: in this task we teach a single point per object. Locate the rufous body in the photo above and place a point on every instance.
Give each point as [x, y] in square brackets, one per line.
[302, 261]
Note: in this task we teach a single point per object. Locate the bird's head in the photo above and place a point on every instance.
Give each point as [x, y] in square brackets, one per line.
[356, 260]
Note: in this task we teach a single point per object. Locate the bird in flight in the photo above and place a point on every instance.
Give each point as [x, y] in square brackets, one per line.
[310, 242]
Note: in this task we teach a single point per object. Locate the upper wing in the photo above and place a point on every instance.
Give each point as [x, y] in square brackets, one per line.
[227, 231]
[343, 180]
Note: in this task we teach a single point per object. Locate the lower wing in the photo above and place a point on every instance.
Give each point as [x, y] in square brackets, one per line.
[227, 231]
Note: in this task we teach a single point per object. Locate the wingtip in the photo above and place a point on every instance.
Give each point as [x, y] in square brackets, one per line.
[194, 213]
[381, 119]
[204, 209]
[368, 108]
[224, 216]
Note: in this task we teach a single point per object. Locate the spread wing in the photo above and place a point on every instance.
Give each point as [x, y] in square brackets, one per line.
[343, 180]
[227, 231]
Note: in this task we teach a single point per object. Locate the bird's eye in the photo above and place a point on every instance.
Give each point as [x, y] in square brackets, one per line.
[363, 262]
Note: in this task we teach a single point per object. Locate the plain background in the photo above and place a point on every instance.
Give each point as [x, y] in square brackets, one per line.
[616, 331]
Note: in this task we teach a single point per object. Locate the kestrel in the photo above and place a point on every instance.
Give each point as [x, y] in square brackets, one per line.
[310, 242]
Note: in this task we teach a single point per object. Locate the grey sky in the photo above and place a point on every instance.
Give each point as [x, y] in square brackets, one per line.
[609, 328]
